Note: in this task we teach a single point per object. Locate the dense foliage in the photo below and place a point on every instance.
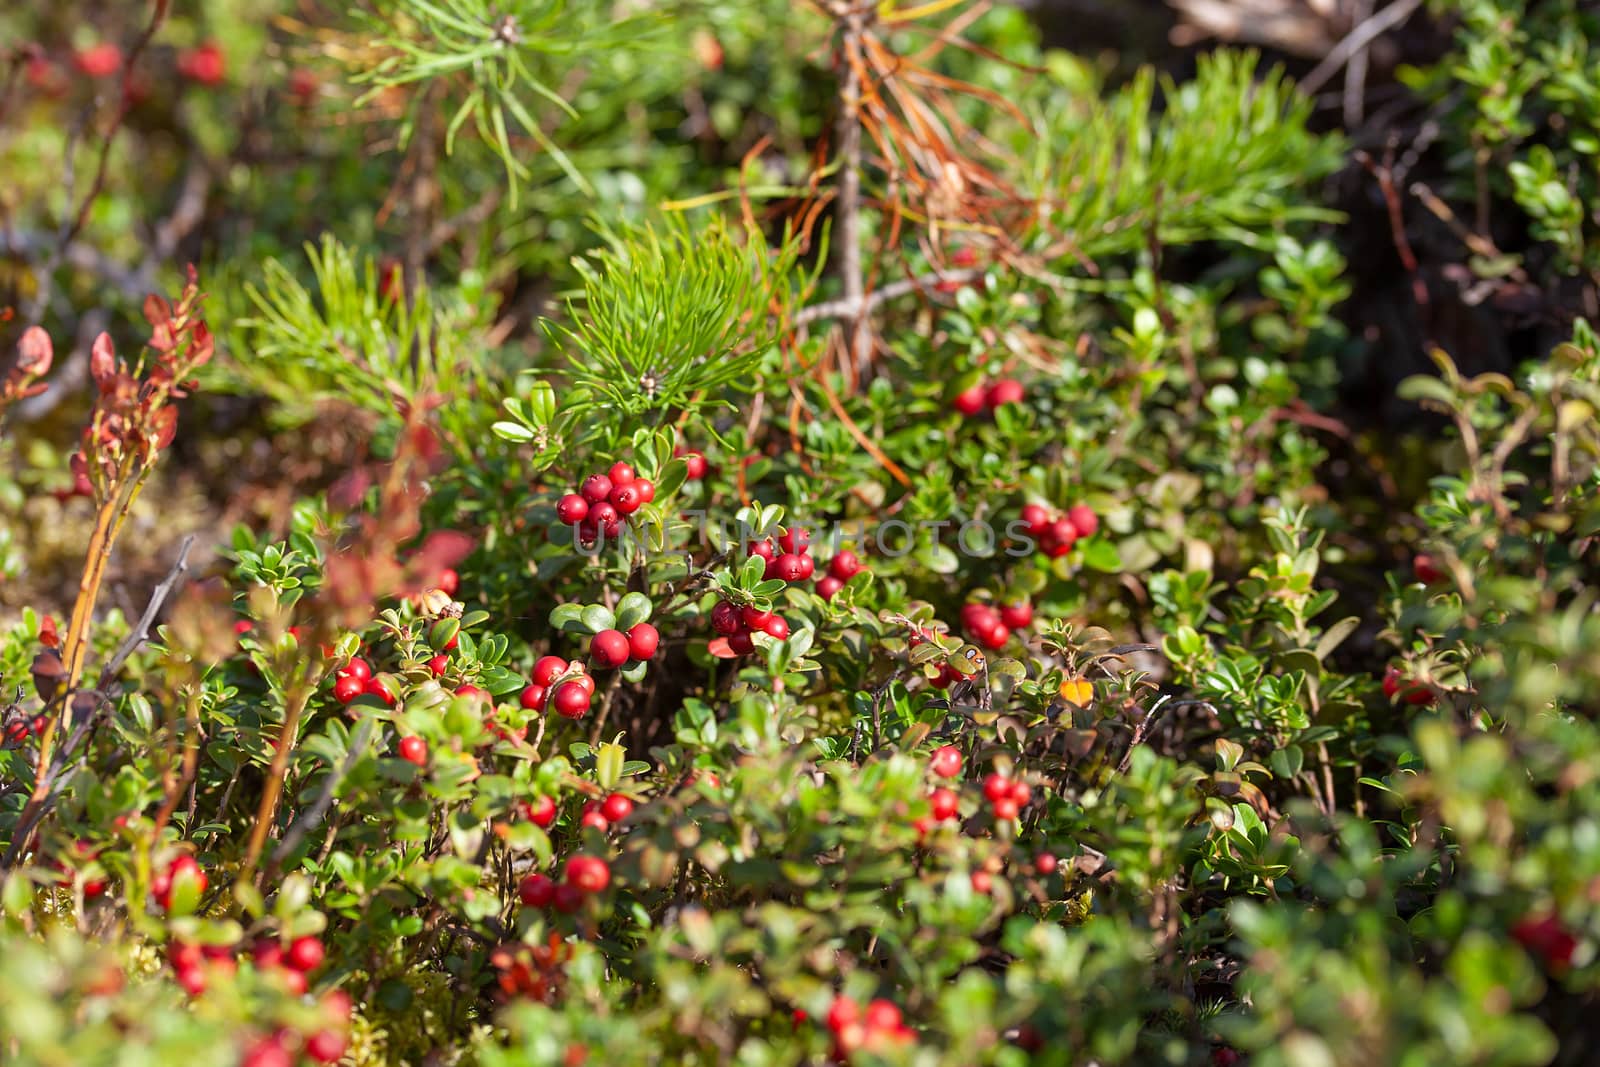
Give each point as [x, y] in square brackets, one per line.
[773, 534]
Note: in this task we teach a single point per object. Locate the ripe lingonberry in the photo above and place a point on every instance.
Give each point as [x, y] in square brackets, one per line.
[1035, 519]
[1005, 808]
[1425, 570]
[266, 1052]
[572, 509]
[945, 803]
[970, 401]
[828, 586]
[882, 1015]
[548, 669]
[595, 488]
[1018, 615]
[620, 473]
[305, 954]
[695, 466]
[996, 787]
[609, 648]
[616, 807]
[763, 549]
[626, 498]
[647, 489]
[593, 819]
[98, 61]
[1045, 862]
[533, 696]
[945, 761]
[414, 749]
[376, 687]
[796, 539]
[1083, 519]
[472, 692]
[571, 700]
[590, 874]
[1004, 391]
[536, 891]
[777, 628]
[438, 665]
[725, 618]
[203, 64]
[605, 517]
[357, 668]
[982, 882]
[643, 640]
[347, 689]
[568, 898]
[326, 1046]
[845, 566]
[788, 567]
[542, 811]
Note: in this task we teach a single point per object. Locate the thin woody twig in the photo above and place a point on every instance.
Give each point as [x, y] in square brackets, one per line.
[141, 632]
[863, 306]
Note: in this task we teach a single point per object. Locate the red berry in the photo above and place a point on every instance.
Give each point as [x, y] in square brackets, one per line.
[621, 473]
[438, 665]
[964, 256]
[882, 1015]
[294, 981]
[98, 61]
[1426, 571]
[970, 401]
[643, 640]
[568, 898]
[1061, 532]
[596, 488]
[808, 567]
[376, 688]
[1035, 519]
[796, 539]
[533, 696]
[695, 466]
[754, 618]
[626, 498]
[945, 803]
[1547, 938]
[203, 64]
[1018, 616]
[982, 882]
[828, 586]
[606, 518]
[571, 700]
[471, 692]
[1083, 519]
[548, 669]
[243, 626]
[763, 549]
[414, 749]
[726, 619]
[1006, 808]
[305, 954]
[449, 581]
[616, 807]
[945, 761]
[1223, 1056]
[590, 874]
[583, 681]
[843, 1012]
[536, 891]
[609, 648]
[326, 1046]
[995, 636]
[647, 489]
[777, 628]
[997, 787]
[267, 953]
[741, 643]
[572, 509]
[542, 812]
[267, 1052]
[1045, 863]
[593, 819]
[1004, 391]
[347, 689]
[789, 567]
[845, 566]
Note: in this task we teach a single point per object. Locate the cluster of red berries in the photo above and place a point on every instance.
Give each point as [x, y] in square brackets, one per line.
[1396, 684]
[21, 728]
[583, 877]
[1006, 796]
[844, 566]
[790, 559]
[183, 868]
[981, 397]
[613, 648]
[541, 811]
[740, 625]
[603, 501]
[873, 1030]
[944, 802]
[991, 627]
[563, 685]
[1057, 533]
[326, 1045]
[356, 679]
[203, 65]
[600, 814]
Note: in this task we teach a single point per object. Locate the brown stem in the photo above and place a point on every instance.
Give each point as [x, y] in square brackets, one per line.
[268, 808]
[853, 27]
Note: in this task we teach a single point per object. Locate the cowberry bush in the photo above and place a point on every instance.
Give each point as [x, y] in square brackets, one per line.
[806, 534]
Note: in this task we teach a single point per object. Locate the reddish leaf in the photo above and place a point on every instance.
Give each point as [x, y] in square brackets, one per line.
[35, 352]
[103, 363]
